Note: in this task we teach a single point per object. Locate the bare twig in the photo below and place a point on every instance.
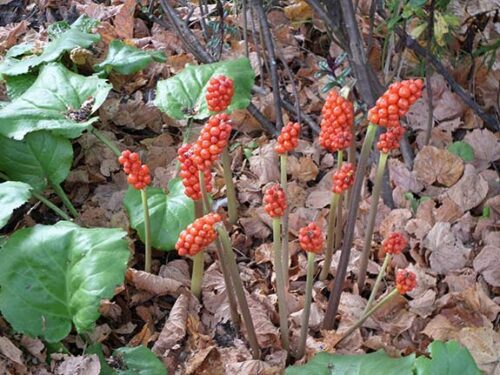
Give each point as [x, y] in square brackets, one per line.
[428, 73]
[257, 48]
[305, 118]
[220, 9]
[245, 27]
[203, 24]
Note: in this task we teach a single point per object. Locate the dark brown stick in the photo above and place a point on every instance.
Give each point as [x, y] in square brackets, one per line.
[428, 73]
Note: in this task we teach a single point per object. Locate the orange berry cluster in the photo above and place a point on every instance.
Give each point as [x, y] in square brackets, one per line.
[395, 102]
[389, 140]
[198, 235]
[311, 238]
[138, 174]
[343, 178]
[288, 140]
[337, 122]
[275, 201]
[406, 281]
[394, 244]
[212, 140]
[190, 173]
[219, 94]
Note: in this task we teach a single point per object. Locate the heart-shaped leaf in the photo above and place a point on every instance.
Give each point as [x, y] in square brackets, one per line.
[462, 149]
[126, 59]
[40, 158]
[54, 275]
[183, 95]
[377, 363]
[139, 361]
[170, 213]
[13, 194]
[49, 103]
[18, 85]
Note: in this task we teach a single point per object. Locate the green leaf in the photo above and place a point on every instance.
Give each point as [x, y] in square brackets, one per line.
[462, 149]
[105, 368]
[17, 85]
[39, 158]
[20, 49]
[126, 59]
[13, 194]
[68, 40]
[184, 94]
[447, 358]
[46, 103]
[377, 363]
[54, 275]
[170, 213]
[139, 361]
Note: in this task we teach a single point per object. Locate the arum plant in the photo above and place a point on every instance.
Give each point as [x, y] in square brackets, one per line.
[288, 140]
[311, 240]
[139, 177]
[275, 206]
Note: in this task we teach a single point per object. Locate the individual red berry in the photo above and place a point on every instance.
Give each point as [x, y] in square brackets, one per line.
[394, 244]
[219, 94]
[338, 117]
[343, 178]
[389, 140]
[311, 238]
[395, 102]
[275, 201]
[288, 140]
[138, 175]
[406, 281]
[198, 235]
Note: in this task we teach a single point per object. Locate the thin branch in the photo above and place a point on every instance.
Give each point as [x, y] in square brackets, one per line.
[428, 73]
[305, 118]
[245, 27]
[220, 9]
[203, 24]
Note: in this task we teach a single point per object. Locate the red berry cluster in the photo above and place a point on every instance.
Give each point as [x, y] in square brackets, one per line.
[219, 94]
[190, 173]
[406, 281]
[343, 178]
[212, 140]
[275, 201]
[336, 125]
[288, 140]
[311, 238]
[138, 174]
[395, 102]
[389, 140]
[394, 244]
[198, 235]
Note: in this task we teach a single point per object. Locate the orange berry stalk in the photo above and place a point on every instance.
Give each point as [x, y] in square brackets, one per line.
[219, 94]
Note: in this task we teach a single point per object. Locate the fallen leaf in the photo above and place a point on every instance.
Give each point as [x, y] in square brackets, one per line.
[470, 191]
[79, 365]
[483, 344]
[124, 20]
[302, 169]
[433, 164]
[177, 269]
[298, 10]
[264, 164]
[402, 177]
[486, 263]
[267, 333]
[423, 306]
[157, 285]
[205, 361]
[9, 350]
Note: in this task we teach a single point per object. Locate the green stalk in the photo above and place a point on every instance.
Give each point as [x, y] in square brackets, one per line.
[50, 205]
[371, 220]
[147, 230]
[232, 203]
[197, 276]
[330, 237]
[307, 304]
[204, 194]
[100, 136]
[380, 275]
[284, 233]
[370, 312]
[229, 258]
[64, 198]
[338, 221]
[280, 282]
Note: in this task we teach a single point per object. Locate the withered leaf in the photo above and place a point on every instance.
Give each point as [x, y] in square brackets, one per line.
[433, 164]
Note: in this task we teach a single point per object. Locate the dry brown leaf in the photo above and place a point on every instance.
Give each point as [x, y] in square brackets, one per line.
[484, 345]
[80, 365]
[11, 33]
[394, 317]
[470, 191]
[214, 296]
[177, 269]
[9, 350]
[267, 333]
[264, 164]
[157, 285]
[255, 228]
[205, 362]
[433, 164]
[402, 177]
[174, 329]
[486, 145]
[143, 337]
[124, 20]
[299, 10]
[423, 306]
[303, 169]
[35, 347]
[486, 263]
[449, 211]
[394, 221]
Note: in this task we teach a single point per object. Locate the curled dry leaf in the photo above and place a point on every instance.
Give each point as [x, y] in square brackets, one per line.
[177, 269]
[215, 296]
[264, 164]
[483, 344]
[255, 228]
[267, 333]
[154, 284]
[402, 177]
[423, 305]
[303, 169]
[486, 145]
[205, 361]
[470, 191]
[394, 221]
[80, 365]
[433, 164]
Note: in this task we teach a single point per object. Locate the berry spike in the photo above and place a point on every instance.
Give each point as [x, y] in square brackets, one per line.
[212, 140]
[311, 238]
[288, 140]
[343, 178]
[389, 140]
[219, 94]
[275, 201]
[198, 235]
[406, 281]
[138, 175]
[190, 173]
[394, 244]
[338, 116]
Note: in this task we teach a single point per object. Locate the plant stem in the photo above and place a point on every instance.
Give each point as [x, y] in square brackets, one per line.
[330, 237]
[284, 233]
[197, 275]
[280, 282]
[100, 136]
[358, 324]
[307, 304]
[338, 221]
[147, 230]
[204, 194]
[371, 220]
[232, 203]
[229, 258]
[352, 212]
[50, 205]
[380, 275]
[64, 198]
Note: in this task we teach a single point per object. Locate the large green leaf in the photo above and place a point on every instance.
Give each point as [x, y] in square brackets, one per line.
[139, 361]
[54, 275]
[184, 94]
[68, 40]
[40, 158]
[377, 363]
[126, 59]
[45, 105]
[447, 358]
[13, 194]
[18, 85]
[170, 213]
